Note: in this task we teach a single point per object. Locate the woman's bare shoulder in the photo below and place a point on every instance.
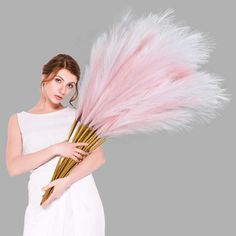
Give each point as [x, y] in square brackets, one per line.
[13, 121]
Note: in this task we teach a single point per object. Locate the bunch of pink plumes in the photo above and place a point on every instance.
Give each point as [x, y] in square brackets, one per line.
[143, 76]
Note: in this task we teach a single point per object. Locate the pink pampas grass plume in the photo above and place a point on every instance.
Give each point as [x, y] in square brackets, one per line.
[144, 75]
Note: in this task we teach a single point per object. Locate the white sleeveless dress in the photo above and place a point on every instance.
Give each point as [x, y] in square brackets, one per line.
[79, 210]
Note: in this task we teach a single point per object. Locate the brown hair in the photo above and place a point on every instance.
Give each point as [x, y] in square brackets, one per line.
[58, 62]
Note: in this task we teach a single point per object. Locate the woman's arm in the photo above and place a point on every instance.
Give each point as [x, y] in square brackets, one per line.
[90, 163]
[84, 168]
[16, 162]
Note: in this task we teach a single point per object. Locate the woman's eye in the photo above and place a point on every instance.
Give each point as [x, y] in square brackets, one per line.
[71, 86]
[57, 79]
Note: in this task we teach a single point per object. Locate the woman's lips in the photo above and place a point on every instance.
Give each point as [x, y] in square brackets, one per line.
[58, 98]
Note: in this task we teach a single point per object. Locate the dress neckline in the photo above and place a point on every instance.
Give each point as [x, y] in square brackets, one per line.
[49, 113]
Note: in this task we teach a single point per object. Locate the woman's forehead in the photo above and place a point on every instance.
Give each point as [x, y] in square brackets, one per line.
[66, 75]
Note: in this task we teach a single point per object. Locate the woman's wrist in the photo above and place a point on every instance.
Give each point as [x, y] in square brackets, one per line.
[54, 150]
[68, 181]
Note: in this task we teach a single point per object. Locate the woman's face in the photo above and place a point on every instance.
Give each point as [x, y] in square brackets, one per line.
[60, 86]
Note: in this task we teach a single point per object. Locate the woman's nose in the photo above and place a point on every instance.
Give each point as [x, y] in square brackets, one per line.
[62, 90]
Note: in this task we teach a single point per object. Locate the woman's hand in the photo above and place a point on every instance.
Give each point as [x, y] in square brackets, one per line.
[60, 185]
[70, 150]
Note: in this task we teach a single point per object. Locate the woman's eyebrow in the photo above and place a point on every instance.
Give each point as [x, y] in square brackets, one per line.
[63, 79]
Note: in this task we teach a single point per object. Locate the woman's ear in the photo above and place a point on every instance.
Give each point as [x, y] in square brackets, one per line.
[43, 77]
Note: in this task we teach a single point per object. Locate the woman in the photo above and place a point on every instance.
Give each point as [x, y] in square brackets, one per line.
[36, 140]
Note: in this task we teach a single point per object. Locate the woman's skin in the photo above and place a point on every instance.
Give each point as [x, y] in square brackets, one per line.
[17, 163]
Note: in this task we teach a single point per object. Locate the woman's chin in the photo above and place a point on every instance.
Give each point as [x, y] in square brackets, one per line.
[55, 101]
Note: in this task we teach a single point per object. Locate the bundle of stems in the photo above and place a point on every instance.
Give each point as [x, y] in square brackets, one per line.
[83, 133]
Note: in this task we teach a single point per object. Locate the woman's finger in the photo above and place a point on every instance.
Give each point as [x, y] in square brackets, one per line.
[77, 155]
[48, 201]
[80, 151]
[48, 186]
[79, 159]
[81, 144]
[74, 158]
